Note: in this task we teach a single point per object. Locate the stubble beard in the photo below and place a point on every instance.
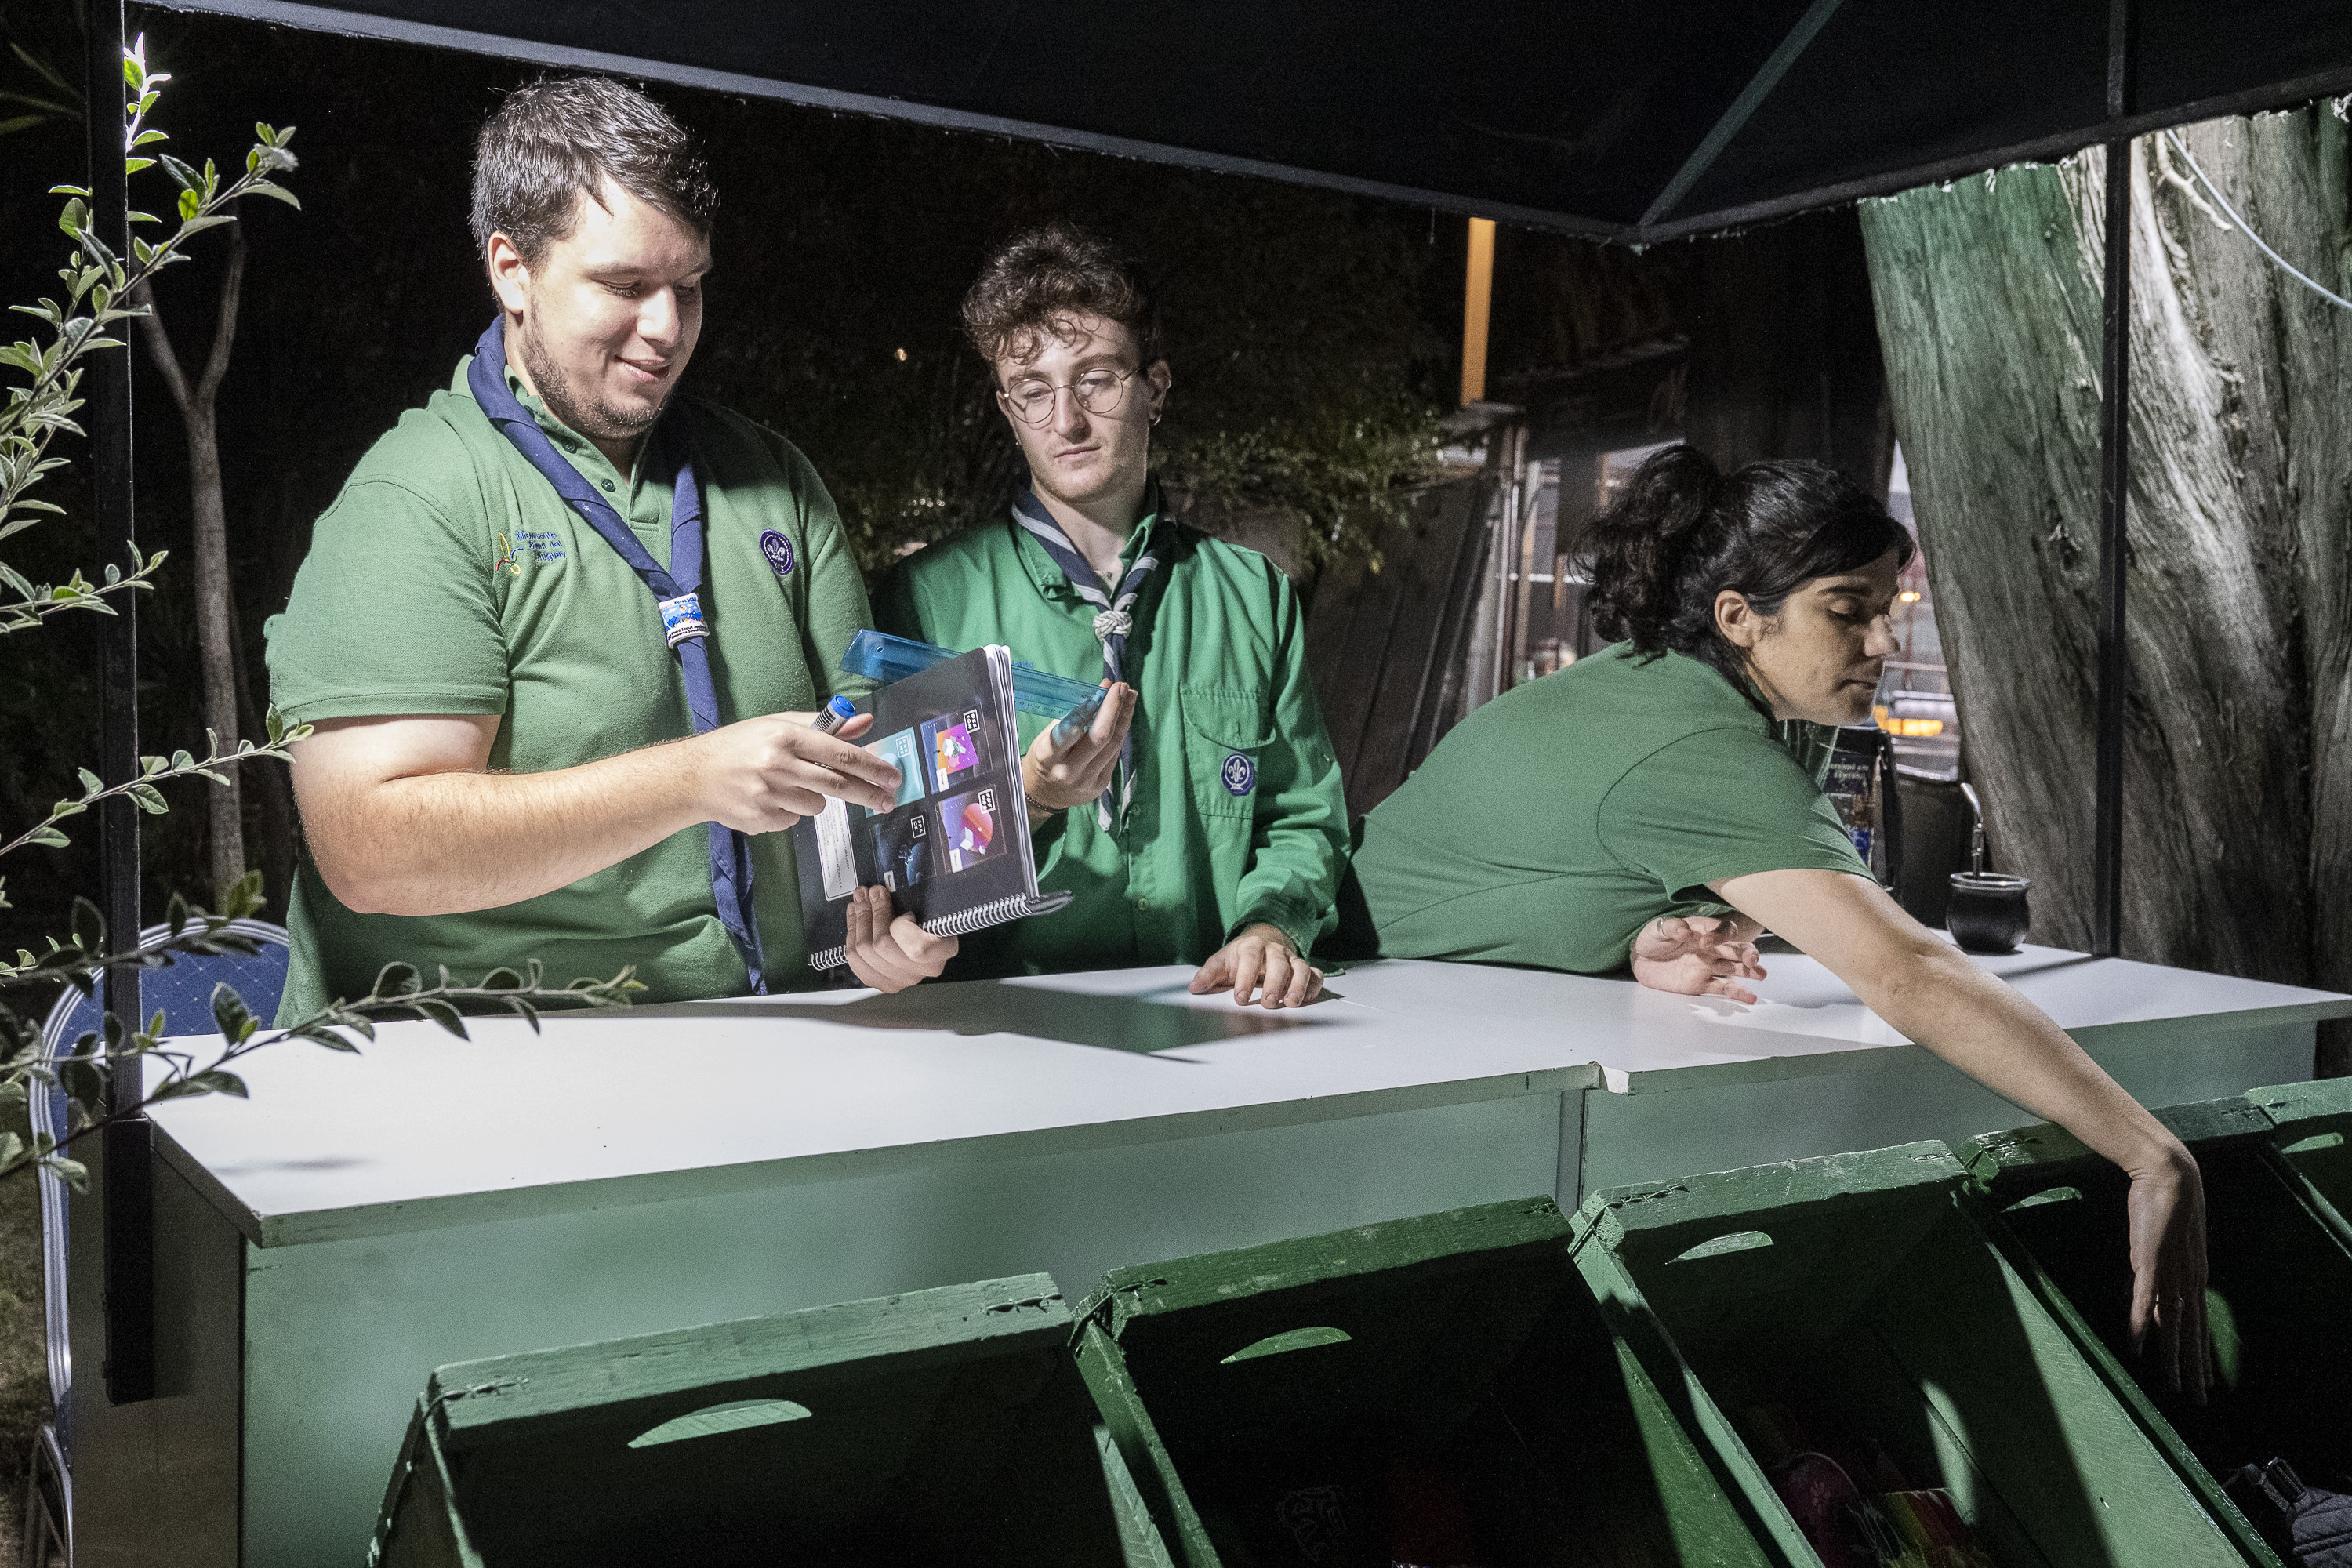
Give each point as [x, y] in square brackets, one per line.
[587, 413]
[1107, 479]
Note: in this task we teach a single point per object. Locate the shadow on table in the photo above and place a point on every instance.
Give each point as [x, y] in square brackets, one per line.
[1136, 1023]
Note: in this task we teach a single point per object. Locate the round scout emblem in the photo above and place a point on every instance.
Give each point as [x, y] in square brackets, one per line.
[1241, 773]
[779, 551]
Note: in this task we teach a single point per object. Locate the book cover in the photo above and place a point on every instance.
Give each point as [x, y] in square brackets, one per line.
[954, 851]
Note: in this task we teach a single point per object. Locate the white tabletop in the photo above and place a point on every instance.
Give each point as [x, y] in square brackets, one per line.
[422, 1129]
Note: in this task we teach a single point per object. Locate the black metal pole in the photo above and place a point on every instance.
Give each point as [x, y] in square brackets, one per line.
[126, 1197]
[2115, 485]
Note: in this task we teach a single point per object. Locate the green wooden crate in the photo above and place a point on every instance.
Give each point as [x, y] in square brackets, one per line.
[1331, 1400]
[2314, 1135]
[2280, 1294]
[1854, 1297]
[946, 1425]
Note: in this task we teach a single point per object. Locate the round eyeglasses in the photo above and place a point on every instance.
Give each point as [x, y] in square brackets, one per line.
[1032, 399]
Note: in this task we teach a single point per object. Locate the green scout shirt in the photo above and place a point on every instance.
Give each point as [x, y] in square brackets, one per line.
[1218, 659]
[1555, 822]
[449, 578]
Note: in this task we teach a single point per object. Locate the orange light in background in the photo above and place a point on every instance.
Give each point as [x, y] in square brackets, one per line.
[1478, 297]
[1909, 596]
[1913, 728]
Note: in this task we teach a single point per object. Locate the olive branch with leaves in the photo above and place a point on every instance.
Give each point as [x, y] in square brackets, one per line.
[98, 289]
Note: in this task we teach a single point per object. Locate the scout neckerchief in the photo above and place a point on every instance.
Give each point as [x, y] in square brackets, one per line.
[1114, 617]
[677, 591]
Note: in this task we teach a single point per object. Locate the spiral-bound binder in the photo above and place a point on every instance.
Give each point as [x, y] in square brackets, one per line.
[954, 850]
[1019, 906]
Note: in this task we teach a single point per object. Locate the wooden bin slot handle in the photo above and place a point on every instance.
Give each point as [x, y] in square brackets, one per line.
[1717, 1246]
[2046, 1195]
[1289, 1340]
[713, 1420]
[2314, 1143]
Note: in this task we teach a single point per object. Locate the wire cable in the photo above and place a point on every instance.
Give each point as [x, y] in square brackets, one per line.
[2286, 265]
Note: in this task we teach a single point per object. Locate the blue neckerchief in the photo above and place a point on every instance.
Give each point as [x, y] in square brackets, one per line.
[1114, 617]
[678, 591]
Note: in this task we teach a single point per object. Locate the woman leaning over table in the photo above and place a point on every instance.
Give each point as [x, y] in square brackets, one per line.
[1659, 803]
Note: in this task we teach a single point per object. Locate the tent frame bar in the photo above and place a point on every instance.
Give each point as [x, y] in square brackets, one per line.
[2043, 150]
[327, 19]
[2115, 496]
[499, 46]
[1735, 119]
[125, 1172]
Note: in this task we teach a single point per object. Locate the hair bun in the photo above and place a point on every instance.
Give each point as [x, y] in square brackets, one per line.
[1641, 540]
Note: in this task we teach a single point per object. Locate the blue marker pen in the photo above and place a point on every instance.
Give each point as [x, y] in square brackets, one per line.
[1073, 724]
[837, 712]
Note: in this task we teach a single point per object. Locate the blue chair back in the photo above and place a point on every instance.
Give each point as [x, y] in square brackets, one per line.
[183, 990]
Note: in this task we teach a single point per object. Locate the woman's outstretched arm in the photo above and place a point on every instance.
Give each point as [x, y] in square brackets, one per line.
[1928, 989]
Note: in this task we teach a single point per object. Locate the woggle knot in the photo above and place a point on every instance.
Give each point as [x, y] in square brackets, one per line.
[1113, 623]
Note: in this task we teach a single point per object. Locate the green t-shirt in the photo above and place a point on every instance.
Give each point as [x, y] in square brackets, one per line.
[1556, 821]
[1237, 816]
[449, 578]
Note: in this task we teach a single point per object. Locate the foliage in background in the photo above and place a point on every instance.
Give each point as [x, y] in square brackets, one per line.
[98, 285]
[1306, 376]
[1310, 336]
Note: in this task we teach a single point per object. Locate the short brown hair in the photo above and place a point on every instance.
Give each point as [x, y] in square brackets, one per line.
[549, 143]
[1033, 284]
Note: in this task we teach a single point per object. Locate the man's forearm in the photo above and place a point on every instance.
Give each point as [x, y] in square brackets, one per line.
[445, 843]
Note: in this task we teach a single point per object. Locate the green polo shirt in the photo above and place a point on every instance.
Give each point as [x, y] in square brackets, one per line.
[449, 578]
[1237, 815]
[1552, 824]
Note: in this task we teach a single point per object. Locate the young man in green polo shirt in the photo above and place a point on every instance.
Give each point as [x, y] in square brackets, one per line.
[561, 633]
[1201, 819]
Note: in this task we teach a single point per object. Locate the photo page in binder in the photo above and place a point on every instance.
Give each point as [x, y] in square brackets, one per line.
[954, 849]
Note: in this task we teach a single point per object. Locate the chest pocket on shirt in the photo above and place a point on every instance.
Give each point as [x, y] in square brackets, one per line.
[1224, 733]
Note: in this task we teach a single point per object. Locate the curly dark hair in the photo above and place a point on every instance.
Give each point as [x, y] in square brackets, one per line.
[1684, 531]
[549, 143]
[1032, 285]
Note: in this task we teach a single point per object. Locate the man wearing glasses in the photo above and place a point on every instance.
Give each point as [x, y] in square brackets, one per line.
[1199, 819]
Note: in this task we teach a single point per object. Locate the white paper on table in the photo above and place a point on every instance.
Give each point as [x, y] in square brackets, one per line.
[835, 854]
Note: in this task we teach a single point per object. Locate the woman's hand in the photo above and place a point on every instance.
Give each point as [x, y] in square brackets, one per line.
[1698, 955]
[891, 955]
[2167, 1215]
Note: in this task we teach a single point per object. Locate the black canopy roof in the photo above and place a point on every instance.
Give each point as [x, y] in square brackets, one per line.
[1631, 121]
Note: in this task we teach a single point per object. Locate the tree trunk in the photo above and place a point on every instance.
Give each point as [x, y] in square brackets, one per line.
[214, 608]
[2238, 807]
[268, 794]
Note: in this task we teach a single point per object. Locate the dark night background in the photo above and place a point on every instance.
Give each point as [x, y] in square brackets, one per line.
[1315, 341]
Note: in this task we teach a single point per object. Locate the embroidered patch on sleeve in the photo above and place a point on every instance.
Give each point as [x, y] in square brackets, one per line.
[779, 551]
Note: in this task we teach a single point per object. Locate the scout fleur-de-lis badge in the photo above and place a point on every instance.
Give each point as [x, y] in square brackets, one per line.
[506, 562]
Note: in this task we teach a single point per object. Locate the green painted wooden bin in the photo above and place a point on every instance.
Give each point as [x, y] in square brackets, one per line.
[946, 1425]
[2314, 1135]
[1856, 1294]
[1316, 1401]
[2279, 1298]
